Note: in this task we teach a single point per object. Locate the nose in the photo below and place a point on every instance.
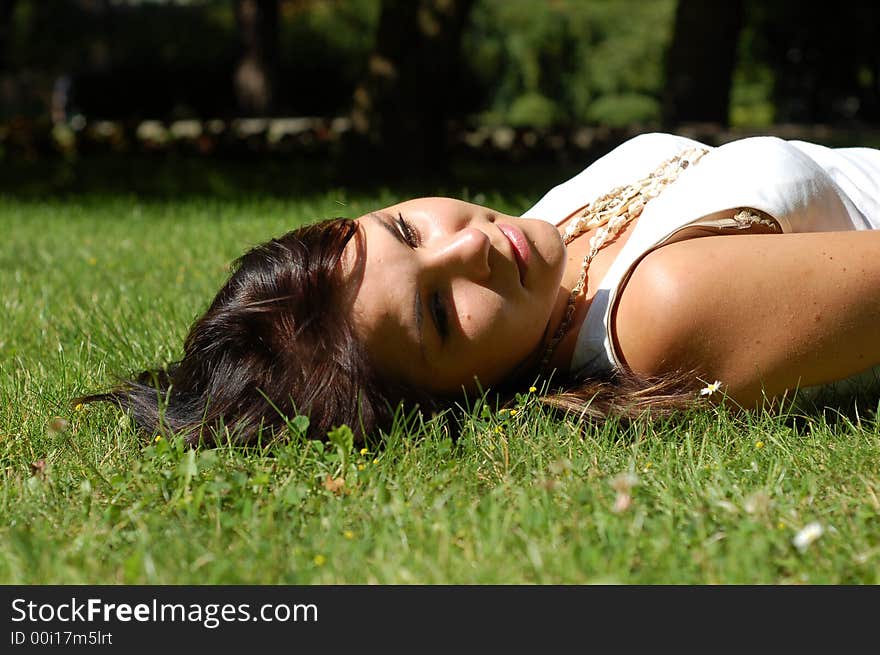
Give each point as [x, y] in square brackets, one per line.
[464, 253]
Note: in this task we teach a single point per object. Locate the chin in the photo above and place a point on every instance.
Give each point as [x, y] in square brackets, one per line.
[547, 242]
[555, 255]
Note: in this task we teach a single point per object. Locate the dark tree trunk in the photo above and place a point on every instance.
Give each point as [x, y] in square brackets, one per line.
[255, 75]
[7, 7]
[402, 105]
[701, 60]
[825, 63]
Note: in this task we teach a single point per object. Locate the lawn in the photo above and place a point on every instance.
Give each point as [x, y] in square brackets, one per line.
[99, 284]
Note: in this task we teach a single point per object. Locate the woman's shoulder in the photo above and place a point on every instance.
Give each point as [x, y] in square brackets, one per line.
[780, 320]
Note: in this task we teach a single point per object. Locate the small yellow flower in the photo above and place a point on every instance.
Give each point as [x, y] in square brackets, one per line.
[709, 389]
[498, 429]
[348, 534]
[158, 438]
[361, 467]
[364, 451]
[320, 560]
[759, 445]
[79, 407]
[513, 412]
[533, 389]
[780, 525]
[376, 460]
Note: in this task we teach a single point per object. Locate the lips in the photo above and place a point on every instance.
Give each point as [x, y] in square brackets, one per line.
[521, 249]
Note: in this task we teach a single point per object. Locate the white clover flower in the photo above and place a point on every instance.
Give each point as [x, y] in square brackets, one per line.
[622, 502]
[623, 482]
[709, 389]
[807, 535]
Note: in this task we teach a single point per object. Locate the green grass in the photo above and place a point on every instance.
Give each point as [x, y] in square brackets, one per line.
[98, 285]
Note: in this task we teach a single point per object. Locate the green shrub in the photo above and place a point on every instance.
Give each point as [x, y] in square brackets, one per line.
[533, 110]
[624, 109]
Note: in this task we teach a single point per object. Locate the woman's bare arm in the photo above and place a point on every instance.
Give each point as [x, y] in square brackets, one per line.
[758, 312]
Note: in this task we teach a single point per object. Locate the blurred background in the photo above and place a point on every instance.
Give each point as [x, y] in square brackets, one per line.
[156, 96]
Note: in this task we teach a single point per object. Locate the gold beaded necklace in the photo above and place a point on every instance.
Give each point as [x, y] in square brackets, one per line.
[611, 213]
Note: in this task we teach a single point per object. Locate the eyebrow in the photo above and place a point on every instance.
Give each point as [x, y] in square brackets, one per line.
[417, 301]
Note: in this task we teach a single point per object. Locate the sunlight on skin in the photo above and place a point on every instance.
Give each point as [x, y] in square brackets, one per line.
[448, 291]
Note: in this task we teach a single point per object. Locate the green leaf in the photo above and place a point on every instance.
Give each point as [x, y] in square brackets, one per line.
[294, 494]
[299, 424]
[343, 438]
[187, 466]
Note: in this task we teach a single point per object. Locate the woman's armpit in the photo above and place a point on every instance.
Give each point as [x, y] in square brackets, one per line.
[733, 222]
[651, 320]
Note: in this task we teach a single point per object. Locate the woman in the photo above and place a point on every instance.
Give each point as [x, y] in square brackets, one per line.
[605, 287]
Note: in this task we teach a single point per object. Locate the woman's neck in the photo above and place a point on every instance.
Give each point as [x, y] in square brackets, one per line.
[598, 267]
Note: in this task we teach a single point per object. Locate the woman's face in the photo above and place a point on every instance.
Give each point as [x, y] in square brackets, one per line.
[447, 291]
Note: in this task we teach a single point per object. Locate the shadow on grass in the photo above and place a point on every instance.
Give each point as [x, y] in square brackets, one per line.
[854, 401]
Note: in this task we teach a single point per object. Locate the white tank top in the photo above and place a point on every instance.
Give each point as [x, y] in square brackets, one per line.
[805, 187]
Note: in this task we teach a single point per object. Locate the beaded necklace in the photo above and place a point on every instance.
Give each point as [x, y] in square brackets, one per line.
[611, 213]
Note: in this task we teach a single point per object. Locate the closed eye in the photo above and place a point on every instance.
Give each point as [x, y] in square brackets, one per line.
[409, 233]
[437, 308]
[441, 318]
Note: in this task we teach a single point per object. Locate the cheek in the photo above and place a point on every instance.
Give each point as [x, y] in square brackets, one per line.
[492, 322]
[375, 312]
[480, 314]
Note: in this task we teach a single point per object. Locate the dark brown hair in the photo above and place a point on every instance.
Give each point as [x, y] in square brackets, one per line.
[276, 342]
[624, 396]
